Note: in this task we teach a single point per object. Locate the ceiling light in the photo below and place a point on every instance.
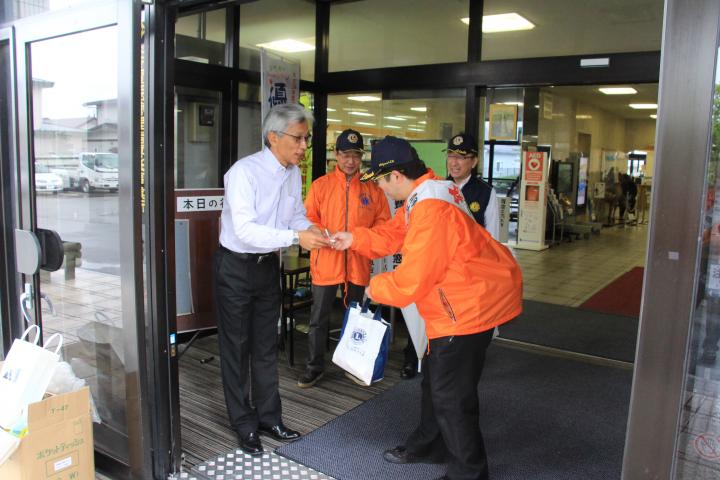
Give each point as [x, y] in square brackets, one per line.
[364, 98]
[331, 109]
[333, 120]
[422, 122]
[361, 114]
[287, 45]
[643, 106]
[397, 119]
[519, 104]
[504, 22]
[416, 129]
[354, 109]
[583, 117]
[391, 126]
[407, 116]
[653, 116]
[419, 109]
[618, 90]
[367, 124]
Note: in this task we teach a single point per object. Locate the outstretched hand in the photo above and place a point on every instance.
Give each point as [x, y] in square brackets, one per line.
[311, 239]
[341, 240]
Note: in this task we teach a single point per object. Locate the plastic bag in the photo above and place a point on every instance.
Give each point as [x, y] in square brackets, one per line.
[64, 380]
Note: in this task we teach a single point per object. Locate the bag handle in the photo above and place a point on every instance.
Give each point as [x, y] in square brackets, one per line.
[366, 306]
[60, 342]
[27, 332]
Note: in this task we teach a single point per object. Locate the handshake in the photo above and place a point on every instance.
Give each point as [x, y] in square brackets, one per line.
[313, 238]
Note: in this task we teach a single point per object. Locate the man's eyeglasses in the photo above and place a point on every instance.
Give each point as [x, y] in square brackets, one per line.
[299, 138]
[377, 177]
[456, 156]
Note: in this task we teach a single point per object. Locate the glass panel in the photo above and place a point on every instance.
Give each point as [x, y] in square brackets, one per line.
[197, 141]
[699, 435]
[378, 33]
[74, 106]
[570, 27]
[201, 37]
[249, 135]
[427, 119]
[11, 10]
[284, 27]
[504, 157]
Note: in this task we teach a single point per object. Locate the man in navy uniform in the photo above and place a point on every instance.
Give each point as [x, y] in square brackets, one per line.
[462, 161]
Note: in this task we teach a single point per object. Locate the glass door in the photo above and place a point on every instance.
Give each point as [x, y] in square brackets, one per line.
[77, 165]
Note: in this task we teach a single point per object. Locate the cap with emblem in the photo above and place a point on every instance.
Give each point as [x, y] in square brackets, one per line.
[463, 144]
[349, 140]
[390, 153]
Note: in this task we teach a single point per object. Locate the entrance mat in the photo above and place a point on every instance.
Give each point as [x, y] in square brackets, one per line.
[542, 417]
[619, 297]
[574, 330]
[268, 466]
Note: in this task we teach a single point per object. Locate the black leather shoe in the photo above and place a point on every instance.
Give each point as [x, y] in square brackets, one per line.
[408, 371]
[309, 378]
[250, 443]
[280, 432]
[400, 455]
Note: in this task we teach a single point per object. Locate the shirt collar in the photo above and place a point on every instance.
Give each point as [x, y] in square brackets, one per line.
[271, 163]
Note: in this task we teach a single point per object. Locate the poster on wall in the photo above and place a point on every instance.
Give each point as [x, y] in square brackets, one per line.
[582, 181]
[533, 201]
[279, 81]
[503, 121]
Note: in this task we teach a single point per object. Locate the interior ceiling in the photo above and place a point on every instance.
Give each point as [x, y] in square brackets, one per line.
[614, 104]
[381, 33]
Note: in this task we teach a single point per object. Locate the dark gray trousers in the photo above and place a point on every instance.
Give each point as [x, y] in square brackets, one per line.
[323, 298]
[247, 295]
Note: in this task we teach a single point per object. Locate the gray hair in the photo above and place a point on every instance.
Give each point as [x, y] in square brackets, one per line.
[280, 117]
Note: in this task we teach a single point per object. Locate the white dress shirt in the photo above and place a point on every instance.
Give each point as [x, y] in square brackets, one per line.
[262, 206]
[492, 215]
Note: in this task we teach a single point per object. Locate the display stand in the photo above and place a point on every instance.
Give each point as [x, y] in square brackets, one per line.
[533, 201]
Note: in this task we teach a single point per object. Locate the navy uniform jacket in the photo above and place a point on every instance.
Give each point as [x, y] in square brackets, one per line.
[477, 196]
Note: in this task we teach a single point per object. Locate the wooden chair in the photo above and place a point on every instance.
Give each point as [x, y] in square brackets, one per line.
[296, 296]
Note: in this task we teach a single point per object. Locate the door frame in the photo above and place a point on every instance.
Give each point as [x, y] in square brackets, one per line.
[126, 16]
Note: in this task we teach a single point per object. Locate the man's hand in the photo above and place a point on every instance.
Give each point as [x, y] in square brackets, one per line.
[311, 239]
[341, 240]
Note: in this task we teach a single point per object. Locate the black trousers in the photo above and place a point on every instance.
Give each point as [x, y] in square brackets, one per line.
[247, 295]
[323, 299]
[450, 411]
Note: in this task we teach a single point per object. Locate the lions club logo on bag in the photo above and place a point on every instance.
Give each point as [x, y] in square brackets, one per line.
[358, 336]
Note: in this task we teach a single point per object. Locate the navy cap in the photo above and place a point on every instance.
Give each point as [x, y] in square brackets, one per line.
[463, 144]
[390, 153]
[349, 140]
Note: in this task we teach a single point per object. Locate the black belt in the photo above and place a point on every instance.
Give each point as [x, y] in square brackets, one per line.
[250, 257]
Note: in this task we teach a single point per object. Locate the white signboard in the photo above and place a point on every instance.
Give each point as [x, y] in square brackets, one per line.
[204, 203]
[279, 81]
[533, 201]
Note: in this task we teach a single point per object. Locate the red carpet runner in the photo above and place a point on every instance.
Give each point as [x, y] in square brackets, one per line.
[620, 297]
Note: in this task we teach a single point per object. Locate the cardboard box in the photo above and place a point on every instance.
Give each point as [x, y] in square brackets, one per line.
[59, 442]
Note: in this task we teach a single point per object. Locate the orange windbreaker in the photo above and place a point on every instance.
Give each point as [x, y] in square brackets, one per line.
[460, 278]
[337, 204]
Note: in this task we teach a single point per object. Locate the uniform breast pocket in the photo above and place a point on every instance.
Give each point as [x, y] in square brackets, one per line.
[287, 206]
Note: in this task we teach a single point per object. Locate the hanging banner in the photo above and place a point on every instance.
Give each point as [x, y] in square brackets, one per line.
[279, 81]
[533, 201]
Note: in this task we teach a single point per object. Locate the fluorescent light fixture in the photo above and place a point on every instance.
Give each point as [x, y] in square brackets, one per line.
[392, 126]
[643, 106]
[654, 116]
[361, 114]
[422, 122]
[583, 117]
[287, 45]
[331, 109]
[364, 98]
[407, 116]
[367, 124]
[503, 22]
[416, 129]
[519, 104]
[418, 109]
[397, 119]
[354, 109]
[333, 120]
[639, 152]
[618, 90]
[595, 62]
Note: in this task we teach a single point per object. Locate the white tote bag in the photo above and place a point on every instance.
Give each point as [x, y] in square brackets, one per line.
[25, 374]
[360, 343]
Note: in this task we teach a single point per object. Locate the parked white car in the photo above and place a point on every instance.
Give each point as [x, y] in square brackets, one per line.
[45, 181]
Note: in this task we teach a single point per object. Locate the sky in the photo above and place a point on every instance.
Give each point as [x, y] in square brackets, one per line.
[83, 67]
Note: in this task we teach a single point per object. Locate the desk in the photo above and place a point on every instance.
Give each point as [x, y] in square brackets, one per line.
[293, 268]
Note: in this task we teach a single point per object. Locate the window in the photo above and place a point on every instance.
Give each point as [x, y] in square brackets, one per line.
[201, 37]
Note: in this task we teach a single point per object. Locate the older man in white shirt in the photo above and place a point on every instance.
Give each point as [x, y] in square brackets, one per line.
[263, 212]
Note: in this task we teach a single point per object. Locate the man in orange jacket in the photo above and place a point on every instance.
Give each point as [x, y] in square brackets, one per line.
[338, 201]
[464, 284]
